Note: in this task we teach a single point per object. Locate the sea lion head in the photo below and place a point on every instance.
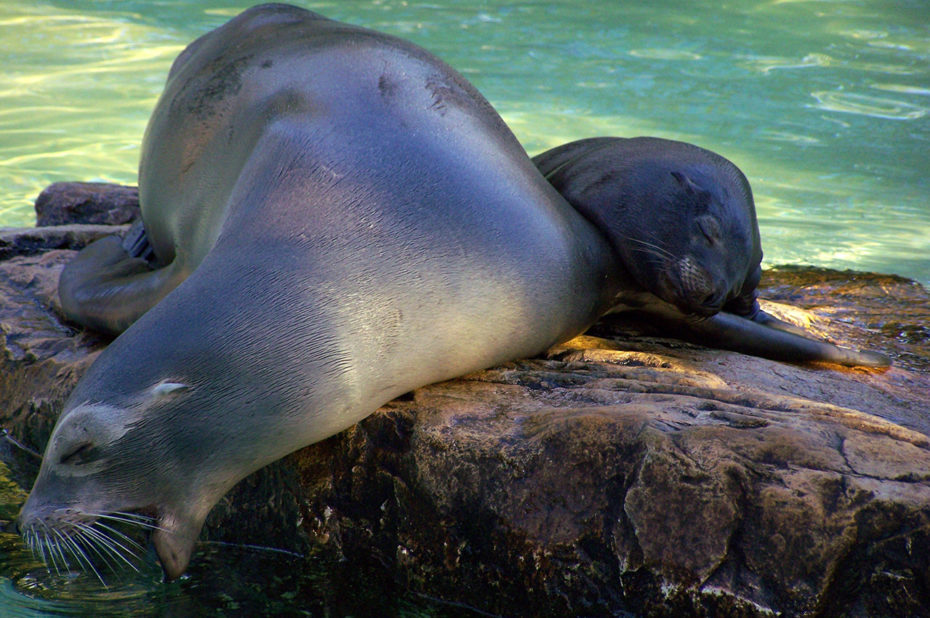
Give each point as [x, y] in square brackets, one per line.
[175, 411]
[110, 470]
[708, 242]
[685, 231]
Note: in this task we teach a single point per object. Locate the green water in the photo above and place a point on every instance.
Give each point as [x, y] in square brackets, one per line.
[824, 105]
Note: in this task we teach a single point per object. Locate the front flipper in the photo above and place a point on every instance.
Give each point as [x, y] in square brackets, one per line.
[106, 289]
[746, 305]
[732, 332]
[770, 321]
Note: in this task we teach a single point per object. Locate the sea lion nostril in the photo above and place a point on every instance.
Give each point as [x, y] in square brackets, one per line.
[714, 300]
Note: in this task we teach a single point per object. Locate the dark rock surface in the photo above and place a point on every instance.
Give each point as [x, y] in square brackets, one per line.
[623, 472]
[65, 203]
[16, 242]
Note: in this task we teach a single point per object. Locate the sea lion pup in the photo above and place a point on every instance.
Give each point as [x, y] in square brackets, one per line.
[682, 221]
[332, 217]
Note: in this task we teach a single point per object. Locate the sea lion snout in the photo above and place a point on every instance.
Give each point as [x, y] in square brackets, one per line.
[713, 302]
[698, 290]
[70, 537]
[49, 520]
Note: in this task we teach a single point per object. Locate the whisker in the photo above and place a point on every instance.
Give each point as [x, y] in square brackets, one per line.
[655, 244]
[68, 543]
[54, 552]
[130, 515]
[88, 542]
[81, 556]
[30, 542]
[57, 546]
[111, 545]
[98, 541]
[37, 547]
[651, 245]
[95, 546]
[119, 540]
[275, 550]
[48, 556]
[120, 535]
[654, 234]
[659, 250]
[661, 258]
[130, 518]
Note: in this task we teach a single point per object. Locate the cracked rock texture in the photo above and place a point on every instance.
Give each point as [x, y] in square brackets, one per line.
[622, 472]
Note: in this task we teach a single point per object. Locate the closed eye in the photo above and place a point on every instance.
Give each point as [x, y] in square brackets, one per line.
[710, 228]
[81, 453]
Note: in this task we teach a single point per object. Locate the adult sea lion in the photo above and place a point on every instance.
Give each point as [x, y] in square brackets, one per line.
[682, 221]
[332, 217]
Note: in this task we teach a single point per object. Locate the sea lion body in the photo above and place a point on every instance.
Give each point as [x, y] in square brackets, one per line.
[682, 222]
[336, 217]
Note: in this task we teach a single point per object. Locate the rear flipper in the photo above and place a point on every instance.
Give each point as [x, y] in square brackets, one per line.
[732, 332]
[136, 243]
[106, 288]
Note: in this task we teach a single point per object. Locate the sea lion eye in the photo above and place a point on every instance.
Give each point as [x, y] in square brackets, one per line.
[710, 228]
[81, 453]
[165, 388]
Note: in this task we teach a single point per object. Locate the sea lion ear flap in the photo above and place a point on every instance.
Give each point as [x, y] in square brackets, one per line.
[686, 183]
[167, 389]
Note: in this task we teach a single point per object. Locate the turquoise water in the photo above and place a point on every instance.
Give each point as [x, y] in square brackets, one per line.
[823, 104]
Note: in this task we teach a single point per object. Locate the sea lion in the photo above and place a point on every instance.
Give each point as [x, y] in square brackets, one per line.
[682, 222]
[332, 218]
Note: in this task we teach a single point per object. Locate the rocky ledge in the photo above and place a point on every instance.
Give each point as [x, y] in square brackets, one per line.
[621, 472]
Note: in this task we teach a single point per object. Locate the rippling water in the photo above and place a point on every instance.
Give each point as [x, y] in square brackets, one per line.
[824, 105]
[223, 580]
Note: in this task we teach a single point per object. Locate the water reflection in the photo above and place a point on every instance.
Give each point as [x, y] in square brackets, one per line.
[223, 580]
[665, 54]
[767, 64]
[903, 89]
[878, 107]
[27, 585]
[781, 88]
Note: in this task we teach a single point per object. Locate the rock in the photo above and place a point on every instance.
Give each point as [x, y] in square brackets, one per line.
[42, 357]
[86, 202]
[30, 241]
[642, 476]
[621, 472]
